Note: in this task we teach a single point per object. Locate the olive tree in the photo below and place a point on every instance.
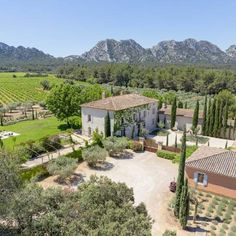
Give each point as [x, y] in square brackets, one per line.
[94, 154]
[115, 145]
[62, 166]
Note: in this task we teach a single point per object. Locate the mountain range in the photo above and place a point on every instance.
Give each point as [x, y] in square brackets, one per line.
[189, 51]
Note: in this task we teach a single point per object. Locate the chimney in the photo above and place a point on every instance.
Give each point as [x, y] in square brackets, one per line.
[103, 95]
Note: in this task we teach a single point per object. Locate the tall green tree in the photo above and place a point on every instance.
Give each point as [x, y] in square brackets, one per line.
[225, 119]
[221, 104]
[204, 123]
[180, 179]
[184, 205]
[173, 113]
[64, 101]
[216, 122]
[212, 118]
[208, 118]
[107, 125]
[195, 116]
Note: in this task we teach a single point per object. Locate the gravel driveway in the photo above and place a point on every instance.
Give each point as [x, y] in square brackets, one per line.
[149, 176]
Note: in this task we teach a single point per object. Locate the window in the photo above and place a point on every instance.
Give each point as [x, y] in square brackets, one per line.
[144, 114]
[153, 121]
[153, 111]
[89, 118]
[200, 178]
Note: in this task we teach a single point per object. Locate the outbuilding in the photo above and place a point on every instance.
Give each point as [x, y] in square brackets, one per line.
[214, 170]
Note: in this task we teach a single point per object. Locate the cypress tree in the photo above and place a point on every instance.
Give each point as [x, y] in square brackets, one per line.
[176, 144]
[216, 122]
[225, 120]
[221, 104]
[195, 116]
[180, 104]
[230, 128]
[173, 113]
[167, 140]
[204, 123]
[186, 105]
[212, 118]
[234, 129]
[180, 179]
[184, 205]
[208, 118]
[107, 125]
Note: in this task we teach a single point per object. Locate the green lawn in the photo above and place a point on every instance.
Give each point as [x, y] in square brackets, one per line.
[33, 130]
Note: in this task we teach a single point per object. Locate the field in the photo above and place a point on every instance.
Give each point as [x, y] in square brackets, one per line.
[33, 130]
[22, 89]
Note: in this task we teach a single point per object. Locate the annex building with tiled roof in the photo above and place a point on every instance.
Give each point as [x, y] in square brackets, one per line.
[128, 114]
[184, 118]
[213, 170]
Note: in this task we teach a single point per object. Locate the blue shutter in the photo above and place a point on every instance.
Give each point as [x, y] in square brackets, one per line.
[205, 180]
[195, 177]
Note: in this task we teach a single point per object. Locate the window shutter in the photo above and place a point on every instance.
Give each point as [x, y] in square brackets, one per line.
[195, 177]
[205, 181]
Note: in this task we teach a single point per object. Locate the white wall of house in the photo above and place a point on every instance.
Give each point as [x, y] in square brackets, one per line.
[181, 121]
[93, 119]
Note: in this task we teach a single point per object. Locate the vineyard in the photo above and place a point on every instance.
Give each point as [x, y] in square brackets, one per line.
[14, 87]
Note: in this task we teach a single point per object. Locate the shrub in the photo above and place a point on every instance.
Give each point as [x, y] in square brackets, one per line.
[169, 233]
[76, 154]
[115, 145]
[51, 143]
[233, 228]
[136, 146]
[97, 138]
[94, 154]
[213, 227]
[62, 166]
[166, 154]
[37, 172]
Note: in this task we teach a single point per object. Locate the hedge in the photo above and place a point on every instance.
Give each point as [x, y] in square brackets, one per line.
[166, 155]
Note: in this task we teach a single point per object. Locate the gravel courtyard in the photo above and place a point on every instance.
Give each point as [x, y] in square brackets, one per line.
[149, 177]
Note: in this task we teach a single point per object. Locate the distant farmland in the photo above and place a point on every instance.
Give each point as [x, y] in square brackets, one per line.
[14, 87]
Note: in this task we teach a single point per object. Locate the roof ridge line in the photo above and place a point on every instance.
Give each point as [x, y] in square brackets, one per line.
[225, 151]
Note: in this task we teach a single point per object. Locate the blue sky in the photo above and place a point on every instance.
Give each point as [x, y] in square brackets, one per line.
[65, 27]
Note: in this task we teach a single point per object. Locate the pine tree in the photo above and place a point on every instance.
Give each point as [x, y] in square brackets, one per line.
[204, 123]
[225, 120]
[195, 116]
[216, 122]
[184, 205]
[173, 113]
[208, 118]
[107, 125]
[180, 179]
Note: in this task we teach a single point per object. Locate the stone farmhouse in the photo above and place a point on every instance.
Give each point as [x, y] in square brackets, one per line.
[213, 169]
[183, 117]
[129, 115]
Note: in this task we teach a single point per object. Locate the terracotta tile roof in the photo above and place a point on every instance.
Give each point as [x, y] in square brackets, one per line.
[121, 102]
[214, 160]
[181, 112]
